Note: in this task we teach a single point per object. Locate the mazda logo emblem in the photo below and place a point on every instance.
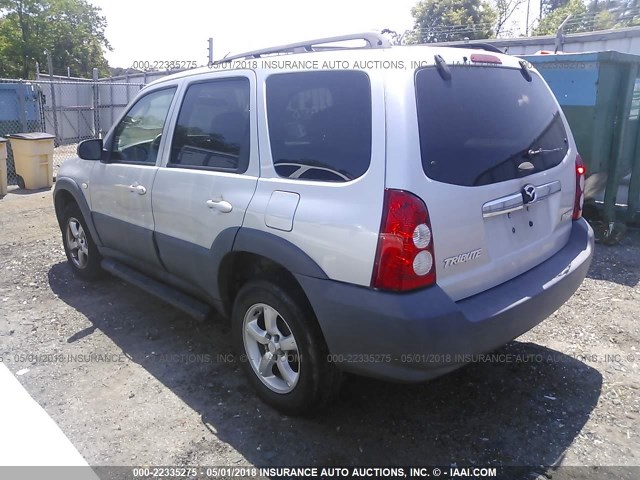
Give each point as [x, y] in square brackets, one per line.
[529, 193]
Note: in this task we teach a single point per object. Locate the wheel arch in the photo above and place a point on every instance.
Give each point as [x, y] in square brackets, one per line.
[258, 254]
[67, 192]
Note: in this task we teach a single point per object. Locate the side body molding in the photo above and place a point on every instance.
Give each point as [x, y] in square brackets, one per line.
[203, 267]
[68, 185]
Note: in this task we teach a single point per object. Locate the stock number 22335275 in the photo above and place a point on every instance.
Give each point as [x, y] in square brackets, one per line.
[154, 65]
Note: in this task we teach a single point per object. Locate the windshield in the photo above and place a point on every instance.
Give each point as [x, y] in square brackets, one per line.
[486, 125]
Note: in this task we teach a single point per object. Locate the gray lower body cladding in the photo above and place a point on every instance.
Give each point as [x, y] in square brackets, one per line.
[420, 335]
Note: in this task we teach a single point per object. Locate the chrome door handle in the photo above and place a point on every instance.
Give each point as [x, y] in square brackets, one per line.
[220, 205]
[139, 189]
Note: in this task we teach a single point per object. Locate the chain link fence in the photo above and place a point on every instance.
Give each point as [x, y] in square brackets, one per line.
[72, 109]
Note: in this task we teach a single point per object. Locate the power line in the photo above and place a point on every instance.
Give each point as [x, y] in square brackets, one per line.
[584, 21]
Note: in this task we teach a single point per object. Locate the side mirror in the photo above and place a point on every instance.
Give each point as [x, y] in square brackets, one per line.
[90, 149]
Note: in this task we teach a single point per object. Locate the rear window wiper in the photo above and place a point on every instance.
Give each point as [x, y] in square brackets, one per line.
[539, 151]
[524, 70]
[442, 67]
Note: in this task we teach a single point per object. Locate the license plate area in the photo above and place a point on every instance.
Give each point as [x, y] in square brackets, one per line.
[514, 230]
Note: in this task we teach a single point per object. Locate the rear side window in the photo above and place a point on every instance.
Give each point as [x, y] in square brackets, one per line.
[212, 131]
[486, 125]
[320, 124]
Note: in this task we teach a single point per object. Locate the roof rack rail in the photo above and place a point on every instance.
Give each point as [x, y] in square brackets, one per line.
[373, 39]
[477, 46]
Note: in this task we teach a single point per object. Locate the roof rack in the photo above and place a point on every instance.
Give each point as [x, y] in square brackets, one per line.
[373, 39]
[477, 46]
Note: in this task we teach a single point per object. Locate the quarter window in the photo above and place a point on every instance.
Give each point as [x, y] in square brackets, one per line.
[212, 131]
[137, 136]
[320, 124]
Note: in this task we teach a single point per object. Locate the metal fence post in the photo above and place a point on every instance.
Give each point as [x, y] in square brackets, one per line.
[22, 106]
[79, 115]
[126, 79]
[111, 119]
[54, 110]
[96, 106]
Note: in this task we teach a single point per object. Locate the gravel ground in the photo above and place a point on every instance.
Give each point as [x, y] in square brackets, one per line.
[136, 382]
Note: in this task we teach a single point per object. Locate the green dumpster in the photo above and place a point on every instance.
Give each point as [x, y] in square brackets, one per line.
[600, 95]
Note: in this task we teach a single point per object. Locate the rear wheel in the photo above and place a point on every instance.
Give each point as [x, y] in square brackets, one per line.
[282, 349]
[81, 251]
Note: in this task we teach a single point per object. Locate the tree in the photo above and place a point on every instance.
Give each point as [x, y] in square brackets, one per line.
[396, 38]
[599, 15]
[550, 23]
[504, 10]
[548, 6]
[450, 20]
[72, 31]
[615, 13]
[119, 71]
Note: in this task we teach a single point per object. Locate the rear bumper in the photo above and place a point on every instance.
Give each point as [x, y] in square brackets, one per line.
[416, 336]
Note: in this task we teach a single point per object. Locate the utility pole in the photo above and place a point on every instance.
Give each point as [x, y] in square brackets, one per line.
[210, 63]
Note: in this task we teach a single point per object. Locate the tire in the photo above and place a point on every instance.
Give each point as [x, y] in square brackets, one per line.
[20, 182]
[298, 378]
[82, 253]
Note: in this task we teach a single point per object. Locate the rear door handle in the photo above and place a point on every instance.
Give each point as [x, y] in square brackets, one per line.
[220, 205]
[139, 189]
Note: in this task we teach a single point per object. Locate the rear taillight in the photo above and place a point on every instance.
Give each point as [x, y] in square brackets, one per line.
[405, 257]
[579, 199]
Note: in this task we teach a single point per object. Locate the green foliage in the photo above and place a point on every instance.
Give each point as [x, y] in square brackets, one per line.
[396, 38]
[551, 22]
[451, 20]
[615, 13]
[598, 15]
[71, 30]
[549, 6]
[119, 71]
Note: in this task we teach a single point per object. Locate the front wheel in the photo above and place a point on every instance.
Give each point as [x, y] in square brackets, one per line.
[282, 349]
[81, 251]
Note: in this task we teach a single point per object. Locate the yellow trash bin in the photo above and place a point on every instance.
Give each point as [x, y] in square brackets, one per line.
[33, 158]
[3, 166]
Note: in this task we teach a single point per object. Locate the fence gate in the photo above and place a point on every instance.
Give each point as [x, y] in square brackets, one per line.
[71, 109]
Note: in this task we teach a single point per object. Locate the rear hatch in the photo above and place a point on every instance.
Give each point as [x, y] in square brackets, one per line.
[500, 166]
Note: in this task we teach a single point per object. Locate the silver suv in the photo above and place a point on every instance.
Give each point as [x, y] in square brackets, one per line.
[386, 211]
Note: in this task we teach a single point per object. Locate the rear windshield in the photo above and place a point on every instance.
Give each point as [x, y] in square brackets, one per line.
[486, 125]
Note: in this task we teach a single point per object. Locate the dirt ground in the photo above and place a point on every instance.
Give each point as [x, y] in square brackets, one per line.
[132, 381]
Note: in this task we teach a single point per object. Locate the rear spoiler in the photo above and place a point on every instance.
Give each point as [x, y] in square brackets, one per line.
[476, 46]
